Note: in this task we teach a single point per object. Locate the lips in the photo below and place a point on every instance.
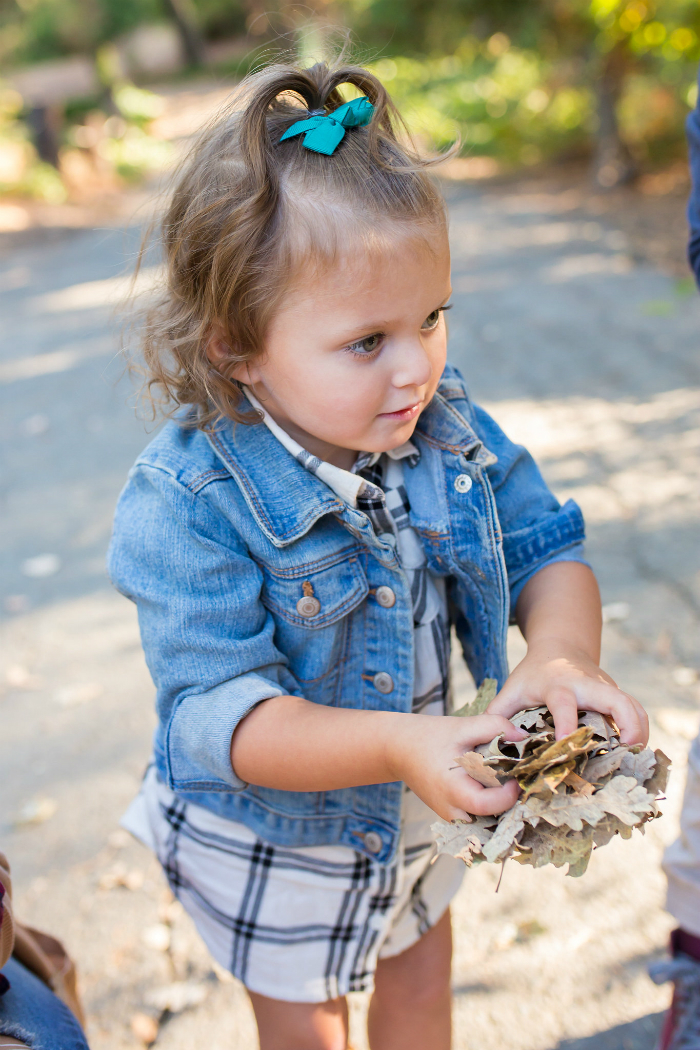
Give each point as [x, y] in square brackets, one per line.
[403, 414]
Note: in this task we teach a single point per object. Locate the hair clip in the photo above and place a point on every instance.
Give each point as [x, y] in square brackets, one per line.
[323, 132]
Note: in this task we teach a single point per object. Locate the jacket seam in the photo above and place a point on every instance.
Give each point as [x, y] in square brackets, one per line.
[308, 568]
[202, 480]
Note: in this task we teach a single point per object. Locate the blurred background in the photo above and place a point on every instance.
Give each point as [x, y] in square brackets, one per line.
[521, 84]
[576, 322]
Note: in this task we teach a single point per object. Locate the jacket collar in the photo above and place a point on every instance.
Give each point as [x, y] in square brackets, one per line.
[286, 500]
[443, 425]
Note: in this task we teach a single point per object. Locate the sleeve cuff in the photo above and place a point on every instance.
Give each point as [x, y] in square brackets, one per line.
[198, 739]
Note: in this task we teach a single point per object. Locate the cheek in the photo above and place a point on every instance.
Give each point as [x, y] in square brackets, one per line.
[326, 390]
[437, 355]
[349, 388]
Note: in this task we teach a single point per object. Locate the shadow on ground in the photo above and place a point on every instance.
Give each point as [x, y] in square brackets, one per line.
[637, 1035]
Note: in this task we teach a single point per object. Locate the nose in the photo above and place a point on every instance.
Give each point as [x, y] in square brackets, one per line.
[413, 366]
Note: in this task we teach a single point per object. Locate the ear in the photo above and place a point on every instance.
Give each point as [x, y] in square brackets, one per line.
[219, 354]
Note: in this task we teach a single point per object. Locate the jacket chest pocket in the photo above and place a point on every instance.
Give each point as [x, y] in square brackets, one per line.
[311, 611]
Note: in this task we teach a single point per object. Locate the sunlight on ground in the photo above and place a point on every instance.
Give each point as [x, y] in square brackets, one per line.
[615, 458]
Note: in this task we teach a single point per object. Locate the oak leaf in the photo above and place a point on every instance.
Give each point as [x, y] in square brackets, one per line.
[579, 792]
[625, 799]
[477, 769]
[500, 845]
[640, 766]
[602, 765]
[531, 718]
[657, 784]
[485, 694]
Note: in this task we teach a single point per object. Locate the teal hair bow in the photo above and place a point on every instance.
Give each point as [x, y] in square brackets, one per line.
[324, 132]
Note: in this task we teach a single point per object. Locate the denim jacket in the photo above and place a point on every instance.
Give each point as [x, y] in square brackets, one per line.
[219, 536]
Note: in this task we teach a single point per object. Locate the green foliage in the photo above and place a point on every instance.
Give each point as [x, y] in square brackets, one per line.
[425, 26]
[137, 105]
[134, 153]
[42, 182]
[221, 18]
[663, 29]
[499, 100]
[32, 30]
[514, 79]
[445, 62]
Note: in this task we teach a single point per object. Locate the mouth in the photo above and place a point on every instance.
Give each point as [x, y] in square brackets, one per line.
[403, 415]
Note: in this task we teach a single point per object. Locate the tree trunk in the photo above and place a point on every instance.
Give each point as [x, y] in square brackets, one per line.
[184, 16]
[44, 124]
[613, 163]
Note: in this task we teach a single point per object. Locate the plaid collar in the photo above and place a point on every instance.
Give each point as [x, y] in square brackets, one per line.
[346, 484]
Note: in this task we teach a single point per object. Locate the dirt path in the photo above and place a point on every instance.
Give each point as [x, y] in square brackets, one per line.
[580, 351]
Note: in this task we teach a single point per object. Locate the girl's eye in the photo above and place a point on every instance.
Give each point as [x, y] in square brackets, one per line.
[367, 346]
[433, 318]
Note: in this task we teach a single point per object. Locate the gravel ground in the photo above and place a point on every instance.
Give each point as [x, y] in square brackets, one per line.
[579, 350]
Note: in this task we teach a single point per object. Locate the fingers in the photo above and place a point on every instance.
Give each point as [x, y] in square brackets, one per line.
[628, 713]
[586, 695]
[564, 707]
[481, 729]
[509, 702]
[467, 796]
[643, 722]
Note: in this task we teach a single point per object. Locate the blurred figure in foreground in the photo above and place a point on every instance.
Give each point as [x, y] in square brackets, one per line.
[681, 1030]
[39, 1005]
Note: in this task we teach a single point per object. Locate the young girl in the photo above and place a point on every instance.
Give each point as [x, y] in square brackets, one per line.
[301, 539]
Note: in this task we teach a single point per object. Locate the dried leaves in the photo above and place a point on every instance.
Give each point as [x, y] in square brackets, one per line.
[577, 793]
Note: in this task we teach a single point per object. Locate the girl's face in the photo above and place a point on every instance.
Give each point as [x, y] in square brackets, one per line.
[355, 354]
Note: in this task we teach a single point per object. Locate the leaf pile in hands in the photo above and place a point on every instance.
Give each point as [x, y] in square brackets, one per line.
[577, 792]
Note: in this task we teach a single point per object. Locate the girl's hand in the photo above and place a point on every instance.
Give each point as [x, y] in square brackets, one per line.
[566, 679]
[423, 754]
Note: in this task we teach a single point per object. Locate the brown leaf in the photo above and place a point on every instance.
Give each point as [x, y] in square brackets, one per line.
[477, 769]
[579, 792]
[640, 766]
[464, 841]
[500, 845]
[557, 846]
[570, 746]
[599, 723]
[547, 782]
[530, 718]
[574, 850]
[657, 784]
[485, 694]
[580, 786]
[608, 828]
[625, 799]
[565, 810]
[602, 765]
[535, 847]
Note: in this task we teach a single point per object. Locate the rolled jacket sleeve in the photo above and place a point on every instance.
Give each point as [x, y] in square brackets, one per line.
[207, 637]
[536, 529]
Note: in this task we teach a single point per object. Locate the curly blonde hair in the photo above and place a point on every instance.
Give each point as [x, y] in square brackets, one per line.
[248, 211]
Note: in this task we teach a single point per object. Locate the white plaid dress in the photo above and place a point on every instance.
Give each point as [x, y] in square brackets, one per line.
[310, 924]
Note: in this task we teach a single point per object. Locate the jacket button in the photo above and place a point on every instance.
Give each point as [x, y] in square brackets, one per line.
[386, 597]
[463, 483]
[383, 682]
[373, 842]
[307, 606]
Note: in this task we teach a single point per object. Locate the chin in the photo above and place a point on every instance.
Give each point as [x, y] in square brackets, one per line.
[402, 433]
